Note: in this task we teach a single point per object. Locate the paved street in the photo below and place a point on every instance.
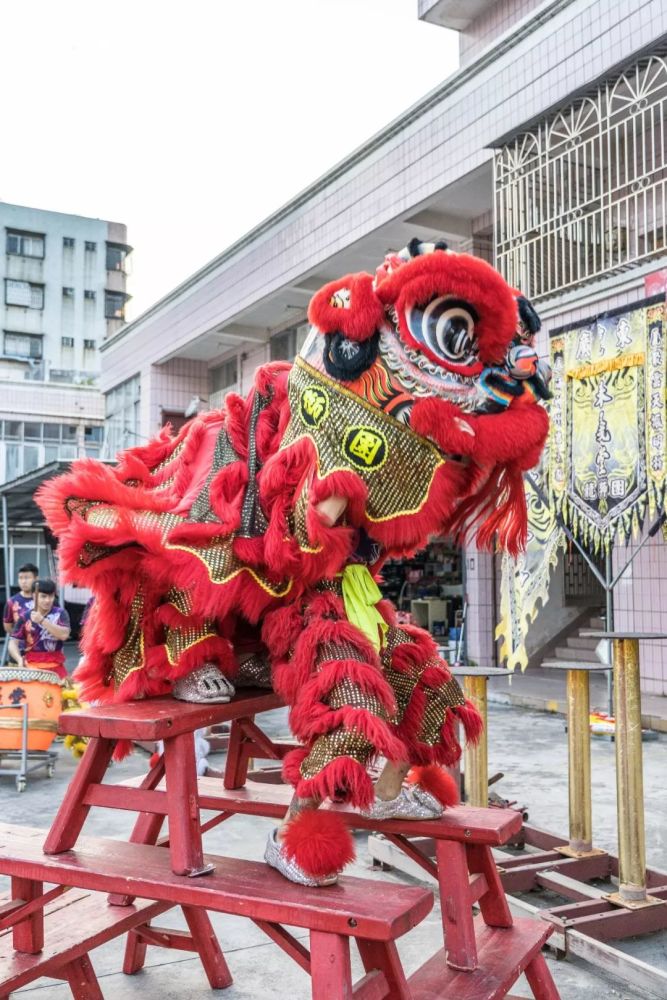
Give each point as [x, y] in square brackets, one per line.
[529, 747]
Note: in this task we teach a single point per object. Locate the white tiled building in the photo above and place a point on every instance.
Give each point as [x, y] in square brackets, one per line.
[63, 293]
[537, 82]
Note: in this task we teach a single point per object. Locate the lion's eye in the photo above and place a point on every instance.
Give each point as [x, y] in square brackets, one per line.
[446, 326]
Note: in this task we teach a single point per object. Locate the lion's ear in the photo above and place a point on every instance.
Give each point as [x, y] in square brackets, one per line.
[348, 306]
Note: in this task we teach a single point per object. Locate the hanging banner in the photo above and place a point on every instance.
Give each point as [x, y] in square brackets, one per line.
[524, 584]
[608, 457]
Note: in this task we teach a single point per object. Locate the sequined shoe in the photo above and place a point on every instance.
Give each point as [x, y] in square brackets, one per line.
[205, 685]
[412, 802]
[275, 856]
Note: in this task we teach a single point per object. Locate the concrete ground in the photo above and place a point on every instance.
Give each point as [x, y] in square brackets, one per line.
[529, 747]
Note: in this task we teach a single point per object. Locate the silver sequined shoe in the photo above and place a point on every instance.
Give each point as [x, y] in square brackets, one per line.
[412, 802]
[205, 685]
[275, 856]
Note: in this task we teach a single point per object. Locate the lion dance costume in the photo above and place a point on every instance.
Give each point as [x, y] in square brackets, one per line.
[254, 535]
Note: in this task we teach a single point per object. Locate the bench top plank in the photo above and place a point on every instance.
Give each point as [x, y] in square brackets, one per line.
[75, 923]
[157, 718]
[469, 824]
[355, 907]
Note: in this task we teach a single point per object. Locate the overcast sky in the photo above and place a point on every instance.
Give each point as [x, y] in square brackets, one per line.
[192, 121]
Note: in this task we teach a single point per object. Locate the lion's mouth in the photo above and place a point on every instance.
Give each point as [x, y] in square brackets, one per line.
[422, 377]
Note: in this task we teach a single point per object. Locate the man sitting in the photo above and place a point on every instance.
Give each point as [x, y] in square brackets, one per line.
[43, 632]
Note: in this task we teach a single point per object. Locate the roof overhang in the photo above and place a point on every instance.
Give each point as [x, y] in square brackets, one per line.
[455, 14]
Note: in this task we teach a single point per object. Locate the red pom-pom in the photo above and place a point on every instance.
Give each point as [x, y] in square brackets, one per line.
[438, 782]
[319, 842]
[154, 758]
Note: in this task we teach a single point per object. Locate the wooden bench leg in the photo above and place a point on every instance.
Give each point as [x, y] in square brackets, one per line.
[71, 816]
[147, 827]
[493, 904]
[185, 844]
[540, 979]
[135, 951]
[28, 936]
[330, 969]
[383, 955]
[206, 942]
[236, 767]
[457, 920]
[82, 979]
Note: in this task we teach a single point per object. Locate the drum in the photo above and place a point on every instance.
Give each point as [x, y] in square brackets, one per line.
[40, 691]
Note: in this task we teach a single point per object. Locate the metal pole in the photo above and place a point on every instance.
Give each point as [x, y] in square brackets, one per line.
[5, 549]
[609, 624]
[579, 762]
[476, 758]
[629, 778]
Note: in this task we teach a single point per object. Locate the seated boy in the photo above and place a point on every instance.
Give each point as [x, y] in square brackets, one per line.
[43, 632]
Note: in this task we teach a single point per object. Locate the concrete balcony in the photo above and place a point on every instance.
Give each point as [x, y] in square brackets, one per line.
[455, 14]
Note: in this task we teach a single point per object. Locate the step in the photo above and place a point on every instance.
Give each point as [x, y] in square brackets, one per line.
[74, 923]
[504, 953]
[355, 907]
[467, 824]
[554, 661]
[581, 642]
[569, 653]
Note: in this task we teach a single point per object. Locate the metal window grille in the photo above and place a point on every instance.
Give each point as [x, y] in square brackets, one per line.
[584, 194]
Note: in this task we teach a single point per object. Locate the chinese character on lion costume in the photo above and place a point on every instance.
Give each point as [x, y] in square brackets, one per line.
[244, 550]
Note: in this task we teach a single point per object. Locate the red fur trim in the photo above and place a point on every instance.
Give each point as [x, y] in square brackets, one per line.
[364, 316]
[122, 750]
[210, 650]
[471, 720]
[440, 783]
[462, 276]
[154, 760]
[344, 779]
[319, 842]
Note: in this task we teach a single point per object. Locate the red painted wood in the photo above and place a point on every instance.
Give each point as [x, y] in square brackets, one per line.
[540, 979]
[206, 943]
[71, 816]
[135, 952]
[28, 936]
[372, 987]
[478, 888]
[504, 953]
[287, 942]
[493, 903]
[457, 921]
[524, 878]
[330, 970]
[185, 845]
[383, 955]
[147, 826]
[19, 909]
[236, 767]
[82, 979]
[406, 845]
[75, 923]
[355, 907]
[158, 718]
[617, 922]
[463, 823]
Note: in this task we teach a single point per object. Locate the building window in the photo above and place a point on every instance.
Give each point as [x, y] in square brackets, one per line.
[224, 376]
[68, 293]
[121, 428]
[114, 304]
[68, 242]
[89, 345]
[24, 293]
[286, 345]
[90, 246]
[582, 194]
[25, 244]
[88, 294]
[116, 256]
[67, 341]
[22, 345]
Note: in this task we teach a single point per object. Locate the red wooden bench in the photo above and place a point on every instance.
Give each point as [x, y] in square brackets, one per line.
[56, 945]
[464, 837]
[374, 914]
